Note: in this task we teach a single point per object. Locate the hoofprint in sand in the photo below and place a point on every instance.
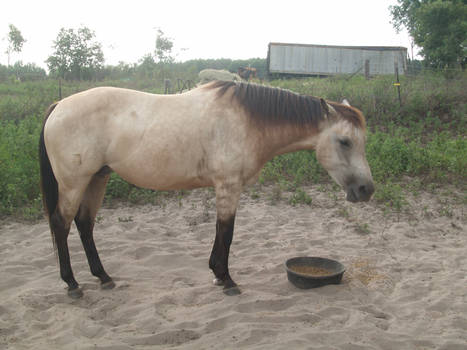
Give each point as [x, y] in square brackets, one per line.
[405, 286]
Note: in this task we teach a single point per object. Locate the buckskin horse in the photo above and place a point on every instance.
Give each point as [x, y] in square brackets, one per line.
[219, 134]
[246, 73]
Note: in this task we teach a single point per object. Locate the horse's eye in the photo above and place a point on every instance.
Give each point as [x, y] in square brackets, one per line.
[345, 142]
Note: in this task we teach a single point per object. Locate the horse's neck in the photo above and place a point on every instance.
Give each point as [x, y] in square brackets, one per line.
[286, 139]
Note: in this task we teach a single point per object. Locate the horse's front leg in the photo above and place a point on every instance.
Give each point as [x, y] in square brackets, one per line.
[227, 196]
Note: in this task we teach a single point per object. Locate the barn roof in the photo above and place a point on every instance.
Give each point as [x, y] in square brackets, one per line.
[370, 48]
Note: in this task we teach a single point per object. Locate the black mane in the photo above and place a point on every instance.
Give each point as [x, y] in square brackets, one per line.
[270, 105]
[274, 106]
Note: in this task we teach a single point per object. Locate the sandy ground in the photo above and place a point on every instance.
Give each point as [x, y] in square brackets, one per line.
[405, 286]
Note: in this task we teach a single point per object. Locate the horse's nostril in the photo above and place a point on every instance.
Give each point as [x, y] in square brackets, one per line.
[366, 190]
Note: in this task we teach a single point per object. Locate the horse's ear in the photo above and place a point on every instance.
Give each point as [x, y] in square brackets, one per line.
[327, 108]
[345, 102]
[324, 106]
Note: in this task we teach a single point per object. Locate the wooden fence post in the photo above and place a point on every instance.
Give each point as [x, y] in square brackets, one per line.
[167, 86]
[367, 69]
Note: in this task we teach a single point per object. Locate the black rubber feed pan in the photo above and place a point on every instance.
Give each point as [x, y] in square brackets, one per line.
[312, 272]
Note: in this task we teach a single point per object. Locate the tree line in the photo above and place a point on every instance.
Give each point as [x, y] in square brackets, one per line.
[77, 55]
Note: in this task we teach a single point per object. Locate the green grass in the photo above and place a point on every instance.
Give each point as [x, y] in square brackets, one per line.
[430, 102]
[424, 139]
[19, 167]
[300, 197]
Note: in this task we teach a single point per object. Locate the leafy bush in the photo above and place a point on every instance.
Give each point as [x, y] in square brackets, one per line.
[387, 156]
[299, 167]
[442, 158]
[19, 166]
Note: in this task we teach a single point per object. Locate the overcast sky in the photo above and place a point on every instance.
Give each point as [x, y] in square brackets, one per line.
[234, 29]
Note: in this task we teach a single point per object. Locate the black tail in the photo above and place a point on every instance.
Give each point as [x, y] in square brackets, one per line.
[49, 185]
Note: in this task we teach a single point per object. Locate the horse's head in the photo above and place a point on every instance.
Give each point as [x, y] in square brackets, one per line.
[341, 150]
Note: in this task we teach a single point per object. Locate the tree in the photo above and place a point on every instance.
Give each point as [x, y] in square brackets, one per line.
[147, 67]
[164, 47]
[76, 55]
[438, 27]
[15, 41]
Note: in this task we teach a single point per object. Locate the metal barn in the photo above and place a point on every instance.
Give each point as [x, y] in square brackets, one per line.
[330, 60]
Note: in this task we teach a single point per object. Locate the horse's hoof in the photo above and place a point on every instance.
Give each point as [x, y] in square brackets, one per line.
[232, 291]
[218, 282]
[75, 293]
[108, 285]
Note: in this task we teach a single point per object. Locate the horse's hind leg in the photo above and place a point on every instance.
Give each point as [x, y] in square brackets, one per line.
[60, 221]
[227, 196]
[85, 219]
[61, 228]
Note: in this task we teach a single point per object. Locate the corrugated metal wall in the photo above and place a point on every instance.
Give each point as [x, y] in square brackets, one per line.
[329, 60]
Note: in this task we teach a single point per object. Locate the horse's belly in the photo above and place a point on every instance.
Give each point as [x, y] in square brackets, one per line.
[166, 184]
[162, 178]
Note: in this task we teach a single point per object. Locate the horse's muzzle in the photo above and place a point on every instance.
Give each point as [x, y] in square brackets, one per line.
[359, 192]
